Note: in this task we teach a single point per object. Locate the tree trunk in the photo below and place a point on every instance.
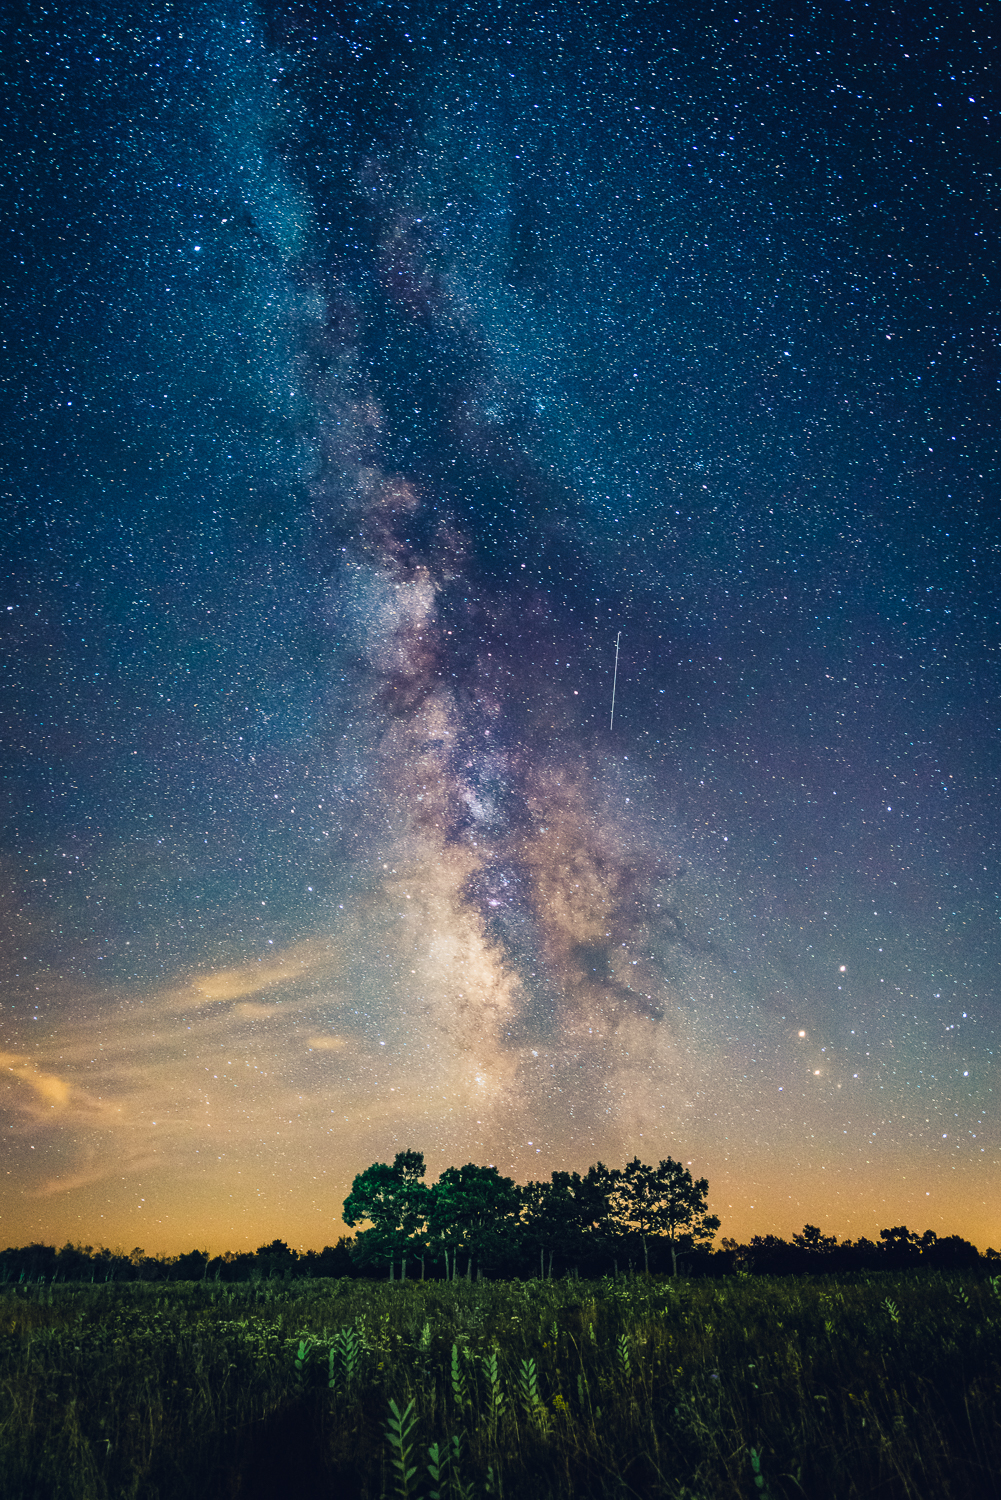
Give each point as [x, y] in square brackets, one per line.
[550, 1265]
[469, 1269]
[674, 1260]
[392, 1267]
[542, 1263]
[646, 1257]
[403, 1268]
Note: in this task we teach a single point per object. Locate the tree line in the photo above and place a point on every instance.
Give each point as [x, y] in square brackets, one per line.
[474, 1220]
[273, 1262]
[809, 1252]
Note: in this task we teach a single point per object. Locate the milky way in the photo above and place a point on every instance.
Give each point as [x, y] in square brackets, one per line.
[373, 368]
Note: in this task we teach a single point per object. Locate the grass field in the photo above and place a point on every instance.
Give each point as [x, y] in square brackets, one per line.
[882, 1386]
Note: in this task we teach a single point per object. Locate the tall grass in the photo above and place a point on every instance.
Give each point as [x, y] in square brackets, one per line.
[888, 1385]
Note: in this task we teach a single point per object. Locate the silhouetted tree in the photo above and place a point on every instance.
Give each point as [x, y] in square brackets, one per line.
[194, 1265]
[950, 1253]
[475, 1210]
[602, 1234]
[636, 1199]
[395, 1202]
[899, 1247]
[664, 1200]
[811, 1239]
[332, 1260]
[554, 1217]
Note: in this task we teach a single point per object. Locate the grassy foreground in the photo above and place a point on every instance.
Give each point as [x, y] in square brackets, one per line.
[756, 1387]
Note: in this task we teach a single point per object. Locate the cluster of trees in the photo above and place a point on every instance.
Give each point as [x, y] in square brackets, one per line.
[472, 1216]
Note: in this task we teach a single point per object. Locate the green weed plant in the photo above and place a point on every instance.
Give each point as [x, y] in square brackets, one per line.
[885, 1385]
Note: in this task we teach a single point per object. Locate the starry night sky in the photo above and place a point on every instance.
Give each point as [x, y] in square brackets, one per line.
[369, 369]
